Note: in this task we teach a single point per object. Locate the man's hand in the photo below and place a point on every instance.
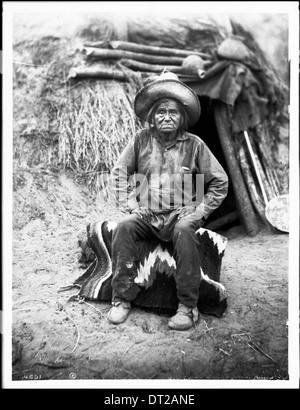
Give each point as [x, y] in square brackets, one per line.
[186, 210]
[190, 210]
[143, 212]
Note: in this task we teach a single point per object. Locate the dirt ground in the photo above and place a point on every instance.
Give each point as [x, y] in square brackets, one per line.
[56, 339]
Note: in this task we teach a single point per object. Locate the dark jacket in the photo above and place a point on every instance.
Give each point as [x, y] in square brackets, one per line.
[159, 169]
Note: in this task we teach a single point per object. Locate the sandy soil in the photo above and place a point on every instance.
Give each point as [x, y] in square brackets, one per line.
[56, 339]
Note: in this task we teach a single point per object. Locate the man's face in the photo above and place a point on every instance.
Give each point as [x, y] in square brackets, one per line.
[167, 117]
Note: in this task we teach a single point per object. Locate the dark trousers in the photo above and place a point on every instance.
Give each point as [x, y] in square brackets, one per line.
[125, 257]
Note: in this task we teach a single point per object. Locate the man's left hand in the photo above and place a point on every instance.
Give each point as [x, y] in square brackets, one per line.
[186, 210]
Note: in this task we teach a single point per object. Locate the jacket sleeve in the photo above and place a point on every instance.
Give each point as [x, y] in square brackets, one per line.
[215, 181]
[123, 177]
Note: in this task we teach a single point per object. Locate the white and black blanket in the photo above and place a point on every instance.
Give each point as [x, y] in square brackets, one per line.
[155, 272]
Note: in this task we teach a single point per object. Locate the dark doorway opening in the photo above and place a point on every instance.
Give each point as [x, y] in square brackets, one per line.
[206, 129]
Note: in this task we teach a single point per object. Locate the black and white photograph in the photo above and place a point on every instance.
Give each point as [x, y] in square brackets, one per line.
[150, 175]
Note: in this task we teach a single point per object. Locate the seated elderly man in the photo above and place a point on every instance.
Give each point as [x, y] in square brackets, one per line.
[171, 167]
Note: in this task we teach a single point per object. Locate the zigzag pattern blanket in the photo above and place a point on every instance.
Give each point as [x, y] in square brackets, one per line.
[155, 272]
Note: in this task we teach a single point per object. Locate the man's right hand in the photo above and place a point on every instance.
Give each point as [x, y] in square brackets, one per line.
[143, 212]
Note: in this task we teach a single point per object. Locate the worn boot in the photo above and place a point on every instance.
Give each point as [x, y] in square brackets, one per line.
[184, 318]
[119, 312]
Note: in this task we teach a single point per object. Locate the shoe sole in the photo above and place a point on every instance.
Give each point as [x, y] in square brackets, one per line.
[117, 322]
[174, 327]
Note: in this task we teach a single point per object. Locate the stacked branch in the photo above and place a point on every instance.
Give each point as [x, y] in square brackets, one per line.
[107, 54]
[154, 68]
[97, 72]
[145, 49]
[138, 58]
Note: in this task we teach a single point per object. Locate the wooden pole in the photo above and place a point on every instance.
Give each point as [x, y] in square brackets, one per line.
[244, 205]
[160, 51]
[155, 68]
[104, 54]
[254, 159]
[146, 49]
[265, 149]
[96, 72]
[255, 197]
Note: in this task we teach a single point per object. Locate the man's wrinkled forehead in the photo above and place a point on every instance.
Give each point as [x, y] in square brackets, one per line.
[168, 103]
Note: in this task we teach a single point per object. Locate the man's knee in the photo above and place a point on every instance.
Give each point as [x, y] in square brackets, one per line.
[183, 227]
[127, 225]
[187, 225]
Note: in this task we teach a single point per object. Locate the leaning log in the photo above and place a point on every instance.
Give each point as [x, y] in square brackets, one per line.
[260, 172]
[273, 180]
[105, 54]
[265, 150]
[244, 205]
[257, 201]
[267, 187]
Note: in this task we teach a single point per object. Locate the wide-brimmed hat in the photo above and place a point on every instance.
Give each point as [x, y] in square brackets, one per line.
[167, 85]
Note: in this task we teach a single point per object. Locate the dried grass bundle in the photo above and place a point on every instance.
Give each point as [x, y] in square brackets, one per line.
[96, 123]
